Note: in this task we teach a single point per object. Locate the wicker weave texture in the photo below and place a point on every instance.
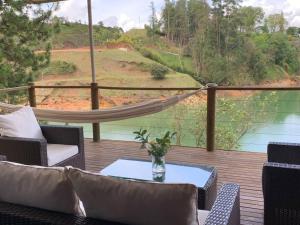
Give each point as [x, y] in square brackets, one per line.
[34, 151]
[281, 189]
[225, 211]
[284, 152]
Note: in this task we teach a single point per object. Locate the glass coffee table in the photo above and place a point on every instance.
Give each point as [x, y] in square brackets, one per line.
[202, 176]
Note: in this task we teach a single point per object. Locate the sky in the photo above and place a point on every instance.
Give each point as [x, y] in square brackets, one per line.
[135, 13]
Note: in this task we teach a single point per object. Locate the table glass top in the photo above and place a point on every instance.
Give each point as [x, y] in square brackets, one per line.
[142, 170]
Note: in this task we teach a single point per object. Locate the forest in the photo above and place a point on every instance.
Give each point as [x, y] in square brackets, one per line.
[229, 43]
[222, 42]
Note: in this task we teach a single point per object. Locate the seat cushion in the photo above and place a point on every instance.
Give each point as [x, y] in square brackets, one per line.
[21, 123]
[133, 202]
[40, 187]
[202, 216]
[58, 153]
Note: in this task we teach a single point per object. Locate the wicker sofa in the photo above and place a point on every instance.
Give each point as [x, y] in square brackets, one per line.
[34, 151]
[225, 211]
[281, 184]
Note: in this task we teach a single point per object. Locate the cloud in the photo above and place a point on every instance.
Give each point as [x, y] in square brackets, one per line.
[135, 13]
[127, 23]
[123, 21]
[290, 8]
[73, 10]
[126, 14]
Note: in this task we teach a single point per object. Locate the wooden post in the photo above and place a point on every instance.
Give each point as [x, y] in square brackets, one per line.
[31, 95]
[95, 105]
[211, 112]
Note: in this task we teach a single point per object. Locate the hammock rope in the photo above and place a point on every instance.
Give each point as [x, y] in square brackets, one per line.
[104, 115]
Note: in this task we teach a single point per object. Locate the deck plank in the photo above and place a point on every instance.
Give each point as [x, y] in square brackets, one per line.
[243, 168]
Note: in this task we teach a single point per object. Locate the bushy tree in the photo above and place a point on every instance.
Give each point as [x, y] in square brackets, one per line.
[104, 34]
[293, 31]
[159, 72]
[282, 53]
[22, 29]
[276, 23]
[249, 18]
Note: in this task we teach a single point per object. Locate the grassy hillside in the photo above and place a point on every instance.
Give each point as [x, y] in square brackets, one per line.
[115, 67]
[160, 50]
[74, 35]
[163, 51]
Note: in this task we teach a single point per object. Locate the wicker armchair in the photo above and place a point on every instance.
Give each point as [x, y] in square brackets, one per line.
[284, 153]
[225, 211]
[281, 188]
[34, 151]
[281, 184]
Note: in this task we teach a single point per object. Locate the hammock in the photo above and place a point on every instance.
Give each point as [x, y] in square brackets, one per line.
[104, 115]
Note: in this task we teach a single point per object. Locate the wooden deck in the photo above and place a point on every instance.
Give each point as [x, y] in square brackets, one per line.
[243, 168]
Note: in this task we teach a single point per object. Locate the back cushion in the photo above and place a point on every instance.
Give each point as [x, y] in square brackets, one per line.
[40, 187]
[21, 123]
[135, 203]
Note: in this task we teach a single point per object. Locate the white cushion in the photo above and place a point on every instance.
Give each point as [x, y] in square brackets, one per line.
[202, 216]
[40, 187]
[58, 153]
[21, 123]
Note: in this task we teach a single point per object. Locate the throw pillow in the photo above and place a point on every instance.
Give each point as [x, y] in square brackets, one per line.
[40, 187]
[21, 123]
[133, 202]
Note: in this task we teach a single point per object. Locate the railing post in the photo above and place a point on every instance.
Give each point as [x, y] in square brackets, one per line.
[31, 95]
[95, 105]
[211, 112]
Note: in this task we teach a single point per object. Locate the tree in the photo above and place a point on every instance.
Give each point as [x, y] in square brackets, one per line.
[104, 34]
[282, 53]
[22, 30]
[168, 19]
[293, 31]
[198, 13]
[154, 27]
[181, 22]
[250, 17]
[276, 23]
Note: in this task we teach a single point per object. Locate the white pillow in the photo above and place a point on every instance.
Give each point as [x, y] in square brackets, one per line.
[21, 123]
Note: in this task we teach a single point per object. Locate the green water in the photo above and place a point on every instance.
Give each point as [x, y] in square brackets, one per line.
[178, 118]
[280, 123]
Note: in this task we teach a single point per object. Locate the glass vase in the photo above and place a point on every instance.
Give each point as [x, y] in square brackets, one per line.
[158, 165]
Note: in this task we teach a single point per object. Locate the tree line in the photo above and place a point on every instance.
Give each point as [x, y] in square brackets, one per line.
[229, 43]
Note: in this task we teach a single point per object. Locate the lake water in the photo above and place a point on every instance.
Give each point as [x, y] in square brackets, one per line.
[281, 124]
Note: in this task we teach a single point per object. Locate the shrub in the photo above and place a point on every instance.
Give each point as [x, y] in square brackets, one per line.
[150, 55]
[60, 67]
[159, 72]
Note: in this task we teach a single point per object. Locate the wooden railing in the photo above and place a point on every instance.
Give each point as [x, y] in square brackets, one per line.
[211, 100]
[95, 89]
